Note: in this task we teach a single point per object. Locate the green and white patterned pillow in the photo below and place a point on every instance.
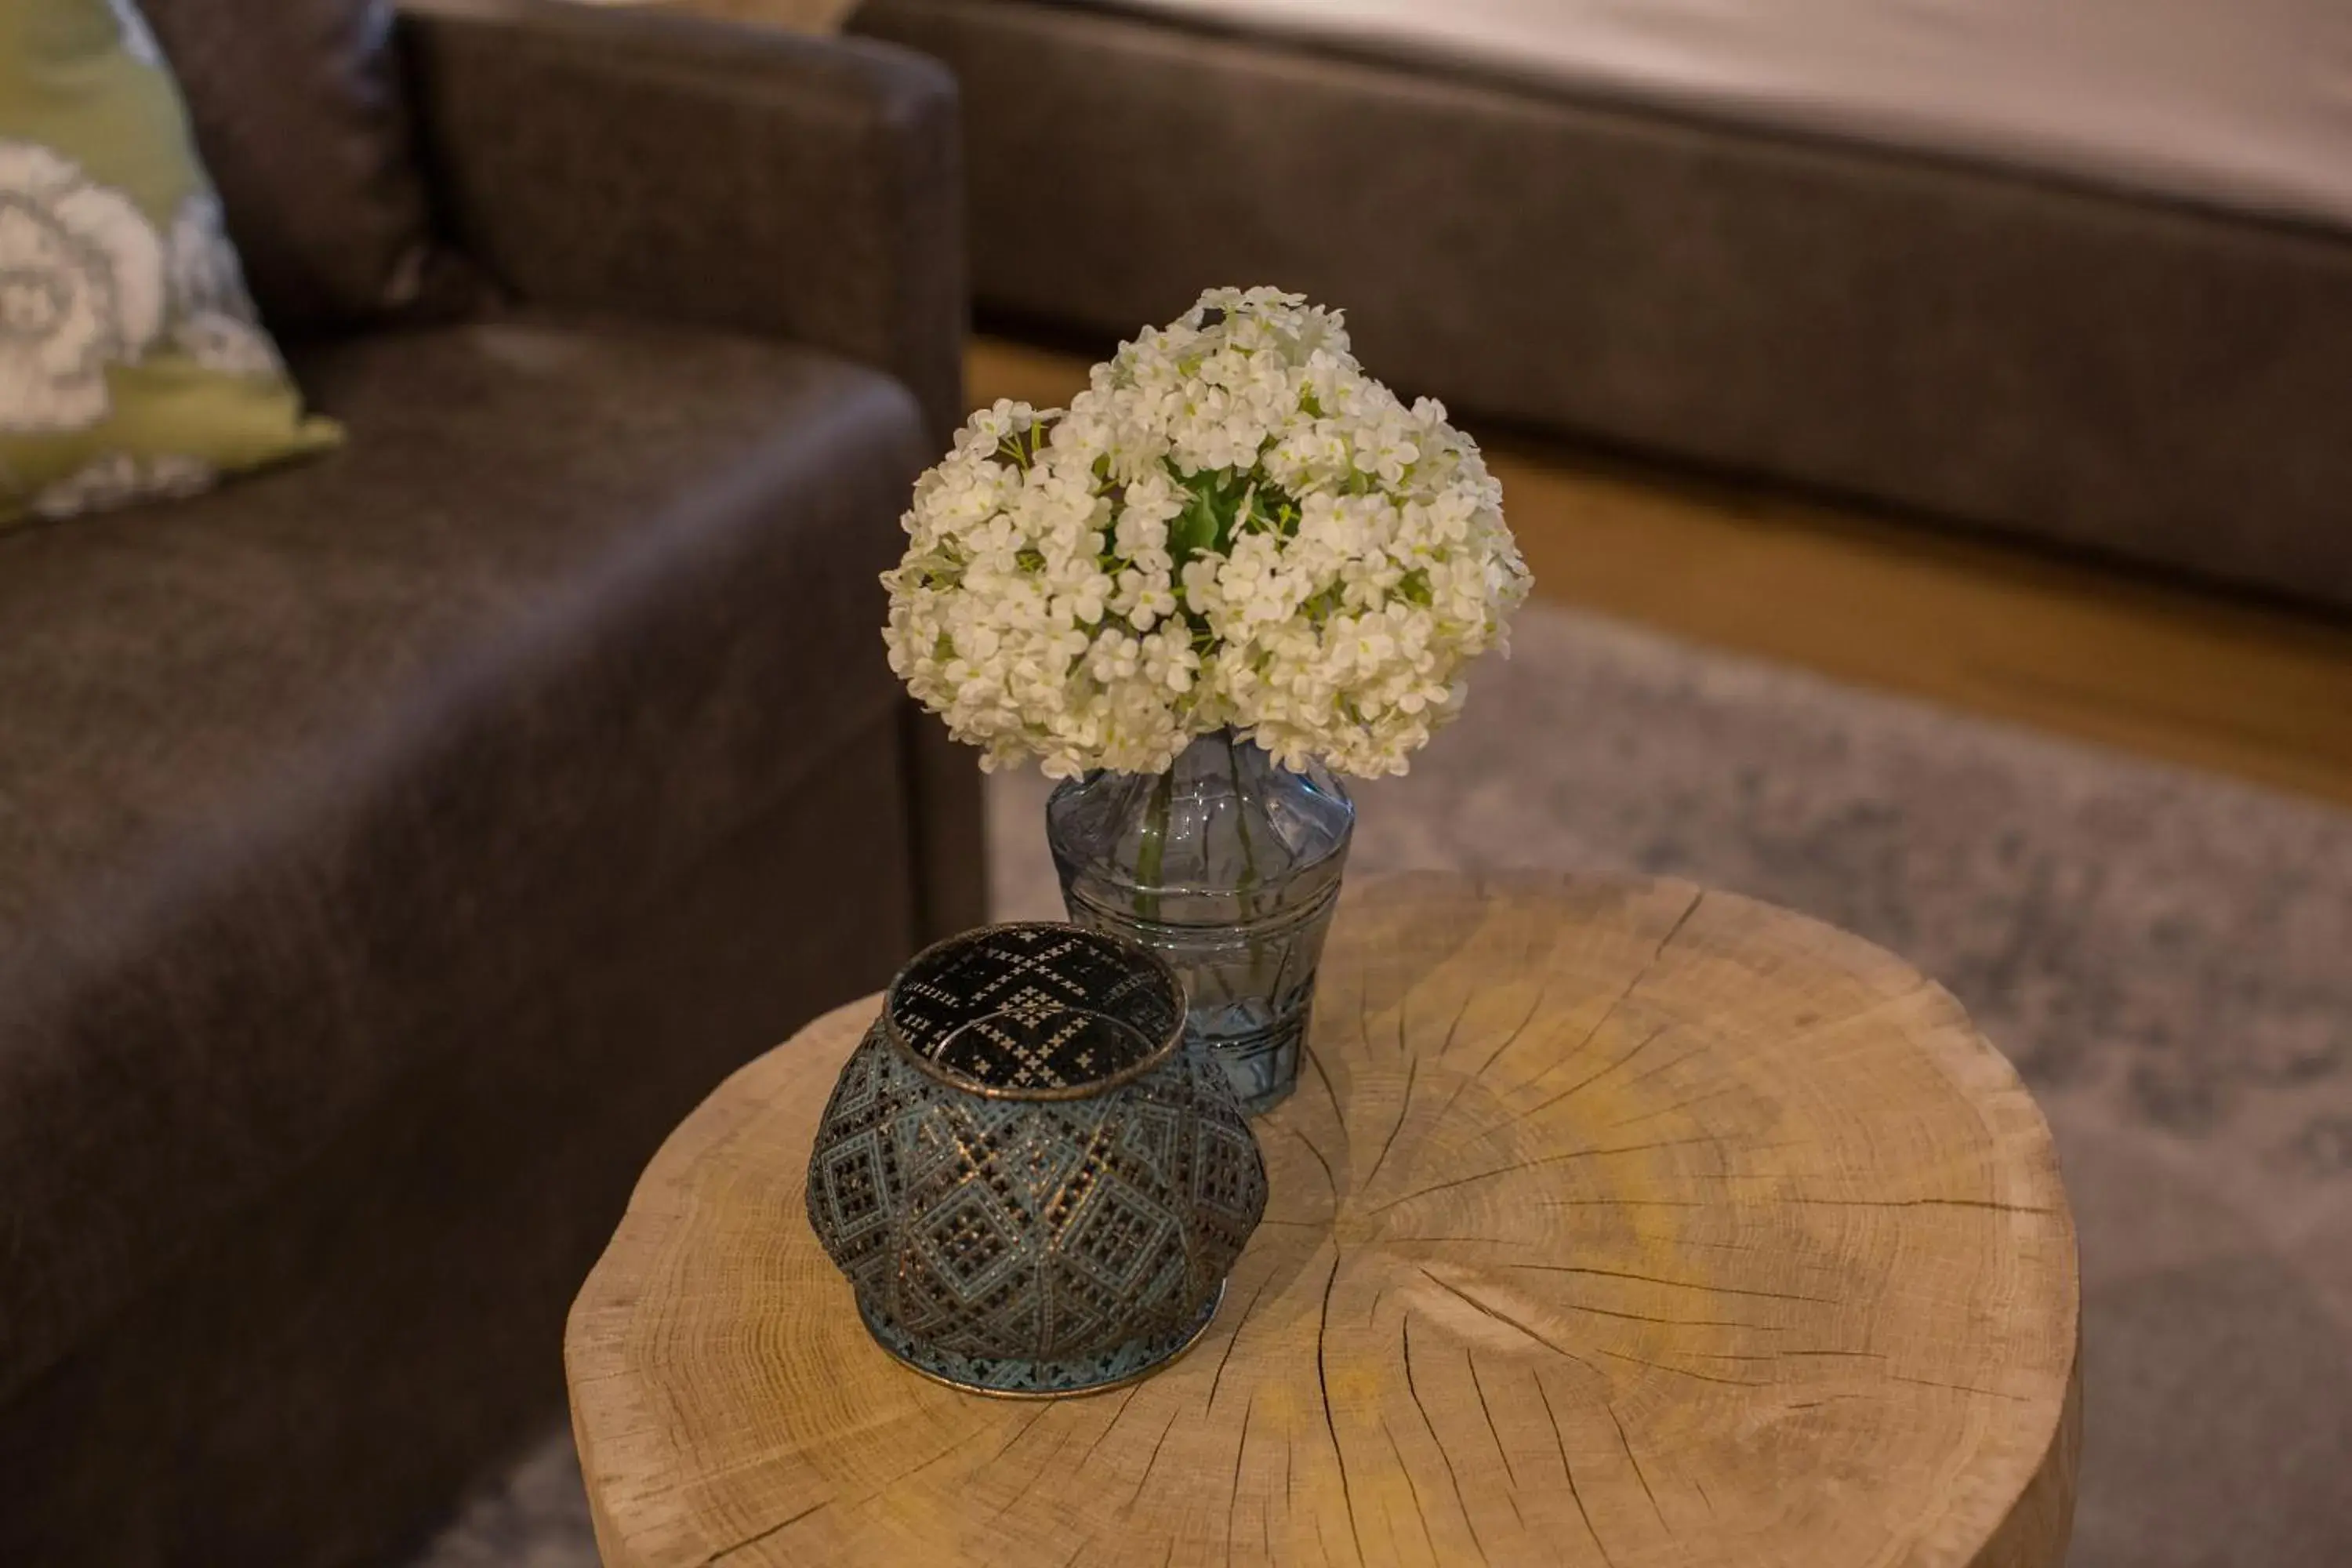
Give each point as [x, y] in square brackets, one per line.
[133, 364]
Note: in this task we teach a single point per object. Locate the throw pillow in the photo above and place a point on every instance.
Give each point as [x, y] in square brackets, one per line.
[300, 118]
[131, 361]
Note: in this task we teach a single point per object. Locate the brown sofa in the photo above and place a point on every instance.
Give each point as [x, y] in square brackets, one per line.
[2153, 382]
[392, 847]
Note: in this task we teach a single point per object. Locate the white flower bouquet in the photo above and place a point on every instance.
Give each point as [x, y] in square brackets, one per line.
[1232, 528]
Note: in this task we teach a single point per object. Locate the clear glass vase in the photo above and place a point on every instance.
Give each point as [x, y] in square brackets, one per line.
[1229, 865]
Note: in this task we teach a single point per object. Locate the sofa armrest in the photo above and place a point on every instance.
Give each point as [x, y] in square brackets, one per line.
[657, 165]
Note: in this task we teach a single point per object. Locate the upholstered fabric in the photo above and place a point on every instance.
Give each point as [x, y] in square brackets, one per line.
[392, 848]
[2158, 385]
[657, 165]
[297, 106]
[132, 364]
[299, 779]
[325, 1368]
[669, 165]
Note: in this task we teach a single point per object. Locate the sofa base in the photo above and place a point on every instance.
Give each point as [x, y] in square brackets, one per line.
[372, 1329]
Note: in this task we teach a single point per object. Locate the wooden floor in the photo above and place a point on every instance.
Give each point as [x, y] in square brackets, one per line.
[2247, 689]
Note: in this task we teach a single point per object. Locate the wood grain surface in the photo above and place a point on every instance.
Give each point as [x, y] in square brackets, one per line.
[1614, 1223]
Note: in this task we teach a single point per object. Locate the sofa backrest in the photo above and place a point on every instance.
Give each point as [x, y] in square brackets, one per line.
[297, 110]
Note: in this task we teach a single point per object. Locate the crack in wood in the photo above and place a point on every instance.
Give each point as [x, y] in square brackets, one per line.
[1648, 1073]
[1995, 1206]
[1568, 1471]
[1960, 1387]
[1462, 1083]
[962, 1442]
[1460, 1013]
[1307, 1048]
[1506, 1319]
[1241, 1323]
[1627, 1444]
[1331, 1422]
[1687, 1372]
[1542, 1160]
[1543, 990]
[1729, 1089]
[1632, 986]
[1234, 1495]
[1148, 1464]
[1420, 1509]
[1698, 1285]
[1676, 930]
[1580, 1085]
[1404, 1109]
[1020, 1494]
[1016, 1436]
[758, 1536]
[1330, 1180]
[1443, 1457]
[1129, 1399]
[1470, 1354]
[1673, 1322]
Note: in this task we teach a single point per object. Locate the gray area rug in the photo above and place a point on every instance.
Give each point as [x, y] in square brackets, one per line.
[2167, 956]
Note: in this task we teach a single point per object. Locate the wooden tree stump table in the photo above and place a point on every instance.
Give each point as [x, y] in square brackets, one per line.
[1613, 1222]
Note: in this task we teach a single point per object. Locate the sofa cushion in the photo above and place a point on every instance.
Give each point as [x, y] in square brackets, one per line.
[132, 362]
[297, 108]
[286, 768]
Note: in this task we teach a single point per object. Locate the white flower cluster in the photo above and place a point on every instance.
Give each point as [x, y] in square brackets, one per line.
[1234, 525]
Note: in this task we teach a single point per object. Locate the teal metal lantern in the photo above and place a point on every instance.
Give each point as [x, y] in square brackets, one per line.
[1033, 1185]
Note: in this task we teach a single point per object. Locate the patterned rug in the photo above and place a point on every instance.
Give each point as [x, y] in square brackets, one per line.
[2167, 956]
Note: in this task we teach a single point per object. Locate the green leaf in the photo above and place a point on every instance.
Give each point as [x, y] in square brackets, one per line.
[1206, 522]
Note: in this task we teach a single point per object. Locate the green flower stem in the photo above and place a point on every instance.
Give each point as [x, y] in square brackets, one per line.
[1249, 851]
[1155, 846]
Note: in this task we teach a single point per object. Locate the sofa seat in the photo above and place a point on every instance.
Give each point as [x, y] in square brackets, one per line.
[305, 782]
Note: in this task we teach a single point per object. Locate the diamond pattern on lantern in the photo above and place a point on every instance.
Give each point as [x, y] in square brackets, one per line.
[1121, 1237]
[1227, 1178]
[928, 1140]
[1028, 1235]
[969, 1242]
[855, 1187]
[1007, 1219]
[854, 1093]
[1149, 1136]
[1040, 1160]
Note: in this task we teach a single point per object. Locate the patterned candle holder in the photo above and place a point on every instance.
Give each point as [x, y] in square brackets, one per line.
[1034, 1186]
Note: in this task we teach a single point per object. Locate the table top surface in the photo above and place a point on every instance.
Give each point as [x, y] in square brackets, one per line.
[1613, 1222]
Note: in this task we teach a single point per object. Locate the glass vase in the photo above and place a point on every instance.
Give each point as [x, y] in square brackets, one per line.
[1228, 865]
